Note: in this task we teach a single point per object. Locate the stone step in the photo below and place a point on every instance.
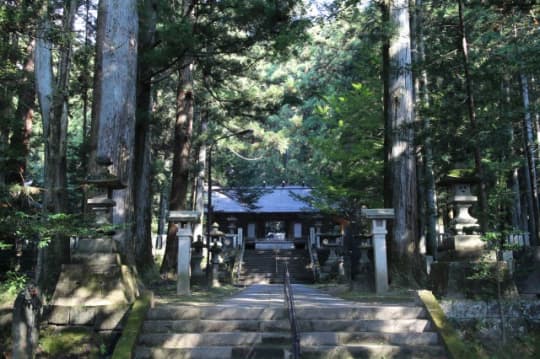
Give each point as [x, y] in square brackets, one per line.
[95, 245]
[253, 325]
[368, 351]
[309, 339]
[175, 312]
[192, 340]
[99, 261]
[142, 352]
[380, 312]
[375, 312]
[201, 326]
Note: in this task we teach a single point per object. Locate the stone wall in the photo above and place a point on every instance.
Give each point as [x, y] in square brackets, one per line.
[483, 317]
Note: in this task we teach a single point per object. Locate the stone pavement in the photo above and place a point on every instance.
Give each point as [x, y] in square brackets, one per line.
[272, 295]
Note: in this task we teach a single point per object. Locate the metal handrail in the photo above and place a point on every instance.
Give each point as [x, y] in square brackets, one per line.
[289, 300]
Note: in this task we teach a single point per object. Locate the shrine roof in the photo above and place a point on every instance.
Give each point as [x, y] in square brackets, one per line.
[279, 199]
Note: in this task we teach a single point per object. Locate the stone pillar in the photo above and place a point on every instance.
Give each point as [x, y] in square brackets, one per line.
[215, 271]
[240, 237]
[184, 234]
[378, 229]
[25, 323]
[184, 221]
[379, 255]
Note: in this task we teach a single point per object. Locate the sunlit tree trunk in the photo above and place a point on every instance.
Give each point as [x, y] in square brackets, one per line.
[402, 149]
[53, 99]
[115, 108]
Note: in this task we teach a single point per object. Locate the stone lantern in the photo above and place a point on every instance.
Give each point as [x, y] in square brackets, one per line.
[461, 201]
[464, 228]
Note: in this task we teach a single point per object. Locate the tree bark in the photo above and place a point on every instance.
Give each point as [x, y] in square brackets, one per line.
[198, 197]
[24, 115]
[53, 98]
[387, 181]
[143, 142]
[471, 109]
[422, 94]
[115, 108]
[402, 157]
[181, 161]
[528, 142]
[183, 131]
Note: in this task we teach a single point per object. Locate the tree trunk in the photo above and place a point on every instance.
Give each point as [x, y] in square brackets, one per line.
[85, 99]
[387, 181]
[403, 158]
[143, 143]
[24, 115]
[181, 161]
[528, 141]
[430, 192]
[471, 109]
[198, 198]
[183, 131]
[115, 107]
[53, 99]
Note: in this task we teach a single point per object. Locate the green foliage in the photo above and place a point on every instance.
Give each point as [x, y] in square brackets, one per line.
[13, 283]
[72, 342]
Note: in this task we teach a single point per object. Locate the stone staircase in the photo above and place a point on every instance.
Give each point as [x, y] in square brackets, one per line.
[259, 266]
[256, 326]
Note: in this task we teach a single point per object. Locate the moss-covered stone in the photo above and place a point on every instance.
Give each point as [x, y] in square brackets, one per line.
[450, 337]
[127, 342]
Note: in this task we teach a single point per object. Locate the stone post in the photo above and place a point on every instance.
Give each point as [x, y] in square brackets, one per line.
[184, 234]
[183, 220]
[25, 324]
[378, 229]
[215, 270]
[240, 237]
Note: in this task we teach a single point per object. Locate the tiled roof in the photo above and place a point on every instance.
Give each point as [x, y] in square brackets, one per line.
[282, 199]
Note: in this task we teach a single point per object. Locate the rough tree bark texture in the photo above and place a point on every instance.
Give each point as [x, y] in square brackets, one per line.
[143, 142]
[471, 109]
[114, 117]
[53, 99]
[401, 113]
[528, 139]
[198, 196]
[422, 93]
[183, 130]
[20, 139]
